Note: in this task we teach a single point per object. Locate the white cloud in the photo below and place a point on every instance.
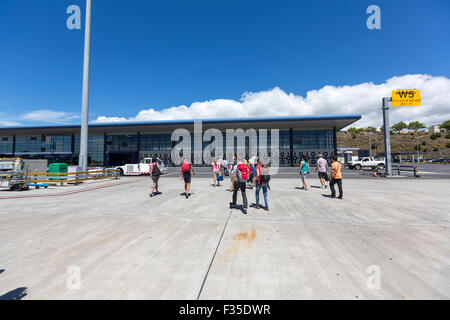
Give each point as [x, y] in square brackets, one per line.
[9, 123]
[49, 116]
[364, 99]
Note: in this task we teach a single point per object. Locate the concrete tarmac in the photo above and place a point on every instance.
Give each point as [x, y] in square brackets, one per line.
[388, 239]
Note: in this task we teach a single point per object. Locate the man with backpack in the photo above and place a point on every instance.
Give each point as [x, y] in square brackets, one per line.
[240, 177]
[262, 179]
[155, 173]
[186, 171]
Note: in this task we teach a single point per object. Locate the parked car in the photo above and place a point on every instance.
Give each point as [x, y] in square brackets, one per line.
[141, 168]
[366, 162]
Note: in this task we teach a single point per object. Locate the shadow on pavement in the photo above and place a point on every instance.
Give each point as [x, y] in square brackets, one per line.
[184, 194]
[16, 294]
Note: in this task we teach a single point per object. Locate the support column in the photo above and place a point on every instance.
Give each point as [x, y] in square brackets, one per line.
[105, 163]
[387, 136]
[14, 145]
[335, 141]
[291, 147]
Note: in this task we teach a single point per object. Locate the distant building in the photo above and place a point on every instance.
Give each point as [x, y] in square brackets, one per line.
[113, 144]
[434, 128]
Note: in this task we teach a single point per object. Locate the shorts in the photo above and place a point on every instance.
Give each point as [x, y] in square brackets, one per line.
[322, 175]
[303, 174]
[187, 177]
[155, 181]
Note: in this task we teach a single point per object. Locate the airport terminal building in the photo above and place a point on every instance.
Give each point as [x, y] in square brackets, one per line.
[112, 144]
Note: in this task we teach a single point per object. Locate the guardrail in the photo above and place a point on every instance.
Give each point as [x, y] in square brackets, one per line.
[398, 168]
[79, 176]
[407, 168]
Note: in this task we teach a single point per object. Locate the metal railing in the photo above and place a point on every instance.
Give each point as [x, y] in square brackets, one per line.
[79, 176]
[406, 168]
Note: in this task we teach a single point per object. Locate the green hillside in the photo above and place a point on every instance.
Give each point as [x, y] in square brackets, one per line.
[431, 146]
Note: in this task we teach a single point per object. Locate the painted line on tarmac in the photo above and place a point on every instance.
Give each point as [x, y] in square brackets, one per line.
[214, 256]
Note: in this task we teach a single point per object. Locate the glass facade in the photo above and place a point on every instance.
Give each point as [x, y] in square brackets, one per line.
[58, 143]
[6, 145]
[113, 149]
[313, 139]
[117, 143]
[95, 149]
[30, 144]
[156, 142]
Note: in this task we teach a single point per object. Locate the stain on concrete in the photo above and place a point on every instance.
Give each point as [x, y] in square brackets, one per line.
[241, 240]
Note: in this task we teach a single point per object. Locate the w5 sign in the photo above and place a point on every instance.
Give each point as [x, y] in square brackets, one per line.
[402, 98]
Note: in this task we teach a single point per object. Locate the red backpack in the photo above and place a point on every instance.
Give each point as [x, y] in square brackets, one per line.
[185, 166]
[244, 171]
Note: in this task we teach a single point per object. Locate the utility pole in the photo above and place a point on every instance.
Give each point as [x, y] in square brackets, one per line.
[83, 159]
[387, 136]
[417, 145]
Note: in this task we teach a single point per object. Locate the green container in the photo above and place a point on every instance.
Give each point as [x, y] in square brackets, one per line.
[57, 168]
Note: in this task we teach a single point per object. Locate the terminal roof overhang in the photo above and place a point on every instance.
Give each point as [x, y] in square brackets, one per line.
[298, 122]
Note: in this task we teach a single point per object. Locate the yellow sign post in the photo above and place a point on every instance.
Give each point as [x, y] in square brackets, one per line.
[401, 98]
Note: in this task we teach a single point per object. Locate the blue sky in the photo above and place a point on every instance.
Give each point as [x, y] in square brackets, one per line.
[152, 55]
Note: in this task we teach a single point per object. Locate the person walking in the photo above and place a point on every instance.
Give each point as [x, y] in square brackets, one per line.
[336, 178]
[186, 172]
[225, 167]
[216, 168]
[262, 182]
[322, 167]
[232, 166]
[304, 170]
[252, 170]
[240, 176]
[155, 173]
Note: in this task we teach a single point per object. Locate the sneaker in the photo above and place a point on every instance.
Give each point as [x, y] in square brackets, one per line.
[244, 210]
[266, 208]
[187, 196]
[340, 198]
[232, 206]
[256, 206]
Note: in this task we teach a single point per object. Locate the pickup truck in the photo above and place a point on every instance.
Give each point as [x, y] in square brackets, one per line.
[366, 162]
[141, 168]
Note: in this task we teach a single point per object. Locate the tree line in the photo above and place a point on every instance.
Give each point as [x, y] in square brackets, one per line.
[413, 125]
